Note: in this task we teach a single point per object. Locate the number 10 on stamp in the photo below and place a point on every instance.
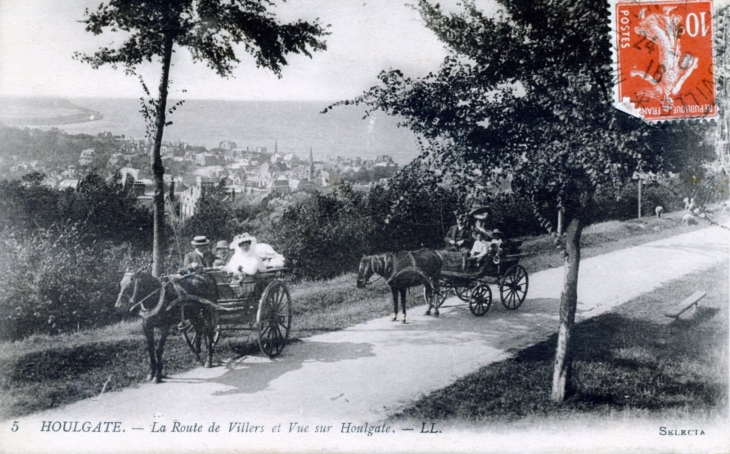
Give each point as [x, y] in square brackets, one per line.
[663, 59]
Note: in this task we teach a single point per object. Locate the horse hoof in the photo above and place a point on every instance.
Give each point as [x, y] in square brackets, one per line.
[394, 319]
[436, 314]
[404, 321]
[428, 313]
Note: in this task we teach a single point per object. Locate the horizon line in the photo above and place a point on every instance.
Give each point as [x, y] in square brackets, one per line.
[169, 98]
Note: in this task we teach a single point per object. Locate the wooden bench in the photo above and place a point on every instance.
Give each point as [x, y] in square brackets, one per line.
[685, 305]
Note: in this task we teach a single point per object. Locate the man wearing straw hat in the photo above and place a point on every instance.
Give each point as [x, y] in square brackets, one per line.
[200, 257]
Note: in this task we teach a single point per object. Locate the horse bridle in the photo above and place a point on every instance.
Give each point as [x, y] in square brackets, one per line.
[131, 299]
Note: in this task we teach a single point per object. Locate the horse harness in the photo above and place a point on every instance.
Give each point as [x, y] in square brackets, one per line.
[394, 272]
[146, 312]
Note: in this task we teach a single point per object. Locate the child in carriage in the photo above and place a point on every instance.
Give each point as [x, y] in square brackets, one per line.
[480, 249]
[484, 248]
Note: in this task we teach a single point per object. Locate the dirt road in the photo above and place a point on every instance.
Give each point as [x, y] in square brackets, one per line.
[359, 375]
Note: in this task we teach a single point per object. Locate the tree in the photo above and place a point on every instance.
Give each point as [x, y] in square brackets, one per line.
[210, 30]
[526, 93]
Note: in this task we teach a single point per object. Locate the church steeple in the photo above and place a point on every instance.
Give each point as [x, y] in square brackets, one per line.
[276, 146]
[310, 171]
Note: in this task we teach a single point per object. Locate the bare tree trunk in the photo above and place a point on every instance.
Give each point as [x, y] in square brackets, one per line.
[158, 241]
[568, 302]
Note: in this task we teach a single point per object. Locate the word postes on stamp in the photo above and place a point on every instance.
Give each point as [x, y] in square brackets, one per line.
[664, 60]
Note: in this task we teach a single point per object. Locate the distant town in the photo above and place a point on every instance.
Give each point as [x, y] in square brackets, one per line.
[244, 172]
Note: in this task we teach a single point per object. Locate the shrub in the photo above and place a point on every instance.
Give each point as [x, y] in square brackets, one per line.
[324, 235]
[52, 282]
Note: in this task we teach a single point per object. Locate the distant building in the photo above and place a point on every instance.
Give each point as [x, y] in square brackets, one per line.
[280, 185]
[86, 157]
[127, 172]
[206, 159]
[189, 198]
[65, 184]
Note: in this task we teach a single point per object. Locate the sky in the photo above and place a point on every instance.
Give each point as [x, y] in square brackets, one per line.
[39, 37]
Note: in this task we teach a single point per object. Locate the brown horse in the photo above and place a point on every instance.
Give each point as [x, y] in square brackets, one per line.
[403, 270]
[186, 301]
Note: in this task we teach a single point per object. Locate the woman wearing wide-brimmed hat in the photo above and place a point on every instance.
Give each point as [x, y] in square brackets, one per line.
[200, 257]
[244, 259]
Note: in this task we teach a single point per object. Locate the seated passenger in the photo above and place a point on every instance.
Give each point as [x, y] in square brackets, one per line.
[270, 257]
[244, 261]
[222, 252]
[198, 258]
[495, 246]
[457, 238]
[480, 225]
[478, 252]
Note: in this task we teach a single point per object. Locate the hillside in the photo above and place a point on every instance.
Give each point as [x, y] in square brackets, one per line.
[44, 112]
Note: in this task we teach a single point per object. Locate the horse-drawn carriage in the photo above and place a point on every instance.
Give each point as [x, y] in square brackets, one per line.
[501, 267]
[206, 303]
[259, 303]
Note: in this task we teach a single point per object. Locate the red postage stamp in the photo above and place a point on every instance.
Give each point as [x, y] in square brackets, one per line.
[664, 59]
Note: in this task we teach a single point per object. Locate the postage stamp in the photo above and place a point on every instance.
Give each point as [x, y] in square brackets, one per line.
[664, 59]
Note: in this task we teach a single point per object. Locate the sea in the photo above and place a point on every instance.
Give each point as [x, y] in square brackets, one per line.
[290, 126]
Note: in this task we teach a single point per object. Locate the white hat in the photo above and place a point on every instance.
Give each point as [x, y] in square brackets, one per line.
[242, 238]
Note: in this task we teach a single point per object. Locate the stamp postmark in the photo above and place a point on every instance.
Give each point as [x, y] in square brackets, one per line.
[664, 59]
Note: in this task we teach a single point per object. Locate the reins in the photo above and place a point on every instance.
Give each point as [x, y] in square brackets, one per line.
[141, 302]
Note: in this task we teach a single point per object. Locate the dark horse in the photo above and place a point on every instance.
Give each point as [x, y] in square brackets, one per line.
[402, 270]
[186, 301]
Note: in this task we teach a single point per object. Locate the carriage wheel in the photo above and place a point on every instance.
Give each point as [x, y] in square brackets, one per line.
[187, 328]
[513, 287]
[438, 300]
[464, 293]
[274, 318]
[481, 300]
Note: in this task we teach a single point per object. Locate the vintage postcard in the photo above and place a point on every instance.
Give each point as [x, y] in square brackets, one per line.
[483, 226]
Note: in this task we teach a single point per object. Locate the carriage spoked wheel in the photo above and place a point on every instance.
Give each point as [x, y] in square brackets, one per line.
[190, 333]
[464, 292]
[274, 318]
[481, 300]
[513, 287]
[438, 298]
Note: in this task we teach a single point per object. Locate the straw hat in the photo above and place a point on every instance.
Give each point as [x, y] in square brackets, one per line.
[200, 240]
[222, 244]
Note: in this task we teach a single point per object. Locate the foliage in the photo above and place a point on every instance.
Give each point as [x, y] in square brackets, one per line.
[56, 280]
[98, 209]
[323, 236]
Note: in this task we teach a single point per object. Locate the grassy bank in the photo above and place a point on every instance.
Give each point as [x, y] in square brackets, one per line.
[43, 372]
[630, 362]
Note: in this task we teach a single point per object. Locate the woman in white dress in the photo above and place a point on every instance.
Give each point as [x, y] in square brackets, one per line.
[244, 259]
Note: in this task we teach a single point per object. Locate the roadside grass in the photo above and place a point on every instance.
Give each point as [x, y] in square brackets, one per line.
[630, 362]
[43, 372]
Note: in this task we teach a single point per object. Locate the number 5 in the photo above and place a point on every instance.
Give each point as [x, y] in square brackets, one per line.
[15, 426]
